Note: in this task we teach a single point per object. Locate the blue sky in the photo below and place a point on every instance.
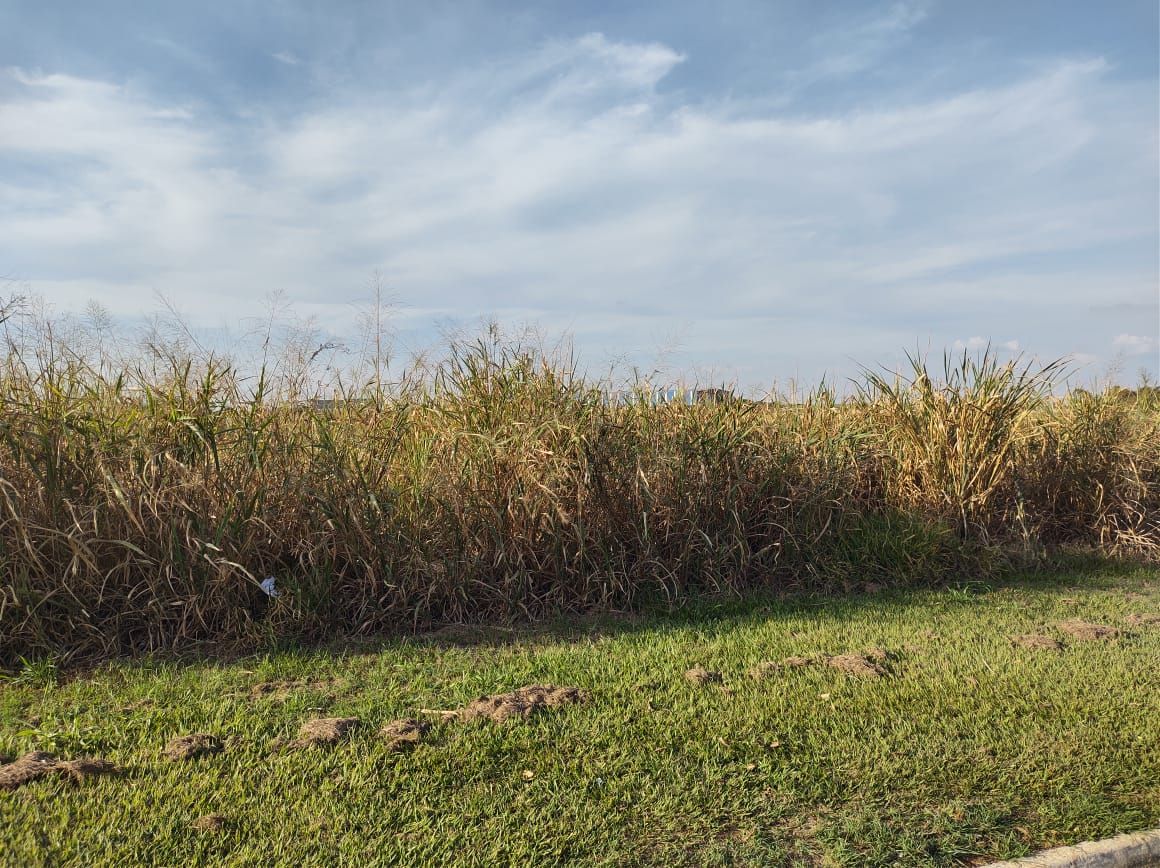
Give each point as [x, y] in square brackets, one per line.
[738, 191]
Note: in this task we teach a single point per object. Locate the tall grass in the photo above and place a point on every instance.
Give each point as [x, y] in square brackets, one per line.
[141, 506]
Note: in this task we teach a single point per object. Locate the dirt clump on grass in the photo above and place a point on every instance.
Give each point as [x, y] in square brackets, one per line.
[1037, 642]
[210, 823]
[39, 764]
[187, 747]
[1144, 619]
[323, 730]
[701, 676]
[1086, 631]
[859, 665]
[404, 734]
[521, 703]
[26, 769]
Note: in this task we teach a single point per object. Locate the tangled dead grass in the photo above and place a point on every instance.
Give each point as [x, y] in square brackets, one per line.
[472, 510]
[867, 664]
[1086, 631]
[520, 704]
[323, 731]
[210, 823]
[38, 764]
[1143, 619]
[871, 663]
[701, 676]
[404, 734]
[187, 747]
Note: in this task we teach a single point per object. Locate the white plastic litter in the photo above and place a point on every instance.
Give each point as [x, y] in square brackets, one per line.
[267, 585]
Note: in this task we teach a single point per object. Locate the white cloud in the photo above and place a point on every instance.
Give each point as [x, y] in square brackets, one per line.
[286, 57]
[858, 45]
[1083, 361]
[971, 344]
[976, 344]
[564, 180]
[1135, 345]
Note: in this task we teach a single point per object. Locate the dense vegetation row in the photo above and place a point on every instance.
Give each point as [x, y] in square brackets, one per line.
[141, 512]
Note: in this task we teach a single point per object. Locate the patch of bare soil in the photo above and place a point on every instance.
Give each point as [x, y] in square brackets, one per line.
[1086, 631]
[210, 823]
[1037, 642]
[279, 691]
[404, 734]
[864, 665]
[701, 676]
[86, 767]
[1145, 619]
[323, 730]
[769, 667]
[521, 703]
[39, 764]
[187, 747]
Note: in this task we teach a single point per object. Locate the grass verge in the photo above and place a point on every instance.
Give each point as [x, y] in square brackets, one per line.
[969, 748]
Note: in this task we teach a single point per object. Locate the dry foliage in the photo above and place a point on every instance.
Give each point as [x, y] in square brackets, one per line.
[141, 505]
[38, 764]
[520, 703]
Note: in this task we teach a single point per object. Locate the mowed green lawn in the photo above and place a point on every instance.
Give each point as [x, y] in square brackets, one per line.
[968, 749]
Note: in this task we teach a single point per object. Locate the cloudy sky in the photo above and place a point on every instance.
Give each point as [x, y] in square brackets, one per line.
[744, 190]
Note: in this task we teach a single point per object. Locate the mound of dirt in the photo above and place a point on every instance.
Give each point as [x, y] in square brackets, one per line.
[522, 703]
[403, 734]
[1146, 619]
[1037, 642]
[187, 747]
[864, 665]
[210, 823]
[1086, 631]
[26, 769]
[701, 676]
[39, 764]
[323, 730]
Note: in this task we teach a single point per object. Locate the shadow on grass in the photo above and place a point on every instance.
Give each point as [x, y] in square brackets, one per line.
[1063, 575]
